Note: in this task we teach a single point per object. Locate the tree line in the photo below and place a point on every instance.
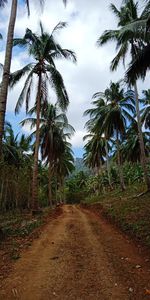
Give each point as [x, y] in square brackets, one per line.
[51, 130]
[119, 121]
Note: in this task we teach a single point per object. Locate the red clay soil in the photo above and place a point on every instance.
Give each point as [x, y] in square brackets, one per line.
[79, 256]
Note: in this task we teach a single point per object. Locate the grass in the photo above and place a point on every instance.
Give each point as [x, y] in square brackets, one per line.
[18, 225]
[131, 214]
[17, 232]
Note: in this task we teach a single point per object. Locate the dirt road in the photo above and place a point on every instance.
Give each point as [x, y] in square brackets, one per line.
[79, 257]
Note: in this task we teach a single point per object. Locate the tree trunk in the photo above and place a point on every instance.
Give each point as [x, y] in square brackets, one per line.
[6, 70]
[37, 142]
[17, 191]
[141, 141]
[108, 165]
[122, 184]
[63, 190]
[50, 186]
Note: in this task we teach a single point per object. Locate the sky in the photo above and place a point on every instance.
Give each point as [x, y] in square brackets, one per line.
[86, 21]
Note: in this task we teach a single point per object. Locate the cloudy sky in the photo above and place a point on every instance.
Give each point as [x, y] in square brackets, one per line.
[86, 22]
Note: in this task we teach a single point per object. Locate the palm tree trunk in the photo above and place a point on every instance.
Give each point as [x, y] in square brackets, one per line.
[108, 165]
[122, 184]
[6, 71]
[141, 141]
[63, 190]
[50, 186]
[37, 143]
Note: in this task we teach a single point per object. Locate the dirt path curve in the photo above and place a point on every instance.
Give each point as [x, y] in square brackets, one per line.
[79, 257]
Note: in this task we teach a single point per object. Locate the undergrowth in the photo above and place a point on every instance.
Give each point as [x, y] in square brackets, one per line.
[130, 213]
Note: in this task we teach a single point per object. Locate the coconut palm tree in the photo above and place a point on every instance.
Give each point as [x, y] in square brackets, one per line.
[94, 151]
[44, 50]
[8, 57]
[128, 40]
[64, 166]
[141, 63]
[53, 133]
[110, 118]
[118, 110]
[7, 62]
[130, 149]
[54, 130]
[17, 162]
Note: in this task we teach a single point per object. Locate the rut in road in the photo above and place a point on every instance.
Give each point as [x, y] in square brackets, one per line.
[79, 257]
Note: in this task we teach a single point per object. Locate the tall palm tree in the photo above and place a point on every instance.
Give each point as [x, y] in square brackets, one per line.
[8, 57]
[94, 125]
[64, 166]
[44, 50]
[7, 62]
[53, 133]
[94, 151]
[112, 111]
[54, 130]
[128, 40]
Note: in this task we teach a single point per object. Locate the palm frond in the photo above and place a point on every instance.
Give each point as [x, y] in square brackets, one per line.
[57, 83]
[25, 93]
[120, 56]
[3, 2]
[29, 121]
[21, 42]
[115, 10]
[28, 6]
[59, 26]
[139, 66]
[64, 53]
[107, 36]
[17, 75]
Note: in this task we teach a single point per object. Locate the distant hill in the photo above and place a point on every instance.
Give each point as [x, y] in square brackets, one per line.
[80, 166]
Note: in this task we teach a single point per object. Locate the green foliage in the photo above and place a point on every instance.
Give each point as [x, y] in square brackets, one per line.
[76, 188]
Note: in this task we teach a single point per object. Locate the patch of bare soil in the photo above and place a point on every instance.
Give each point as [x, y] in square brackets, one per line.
[11, 247]
[79, 257]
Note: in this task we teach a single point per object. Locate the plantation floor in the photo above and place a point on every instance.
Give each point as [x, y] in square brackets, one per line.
[79, 256]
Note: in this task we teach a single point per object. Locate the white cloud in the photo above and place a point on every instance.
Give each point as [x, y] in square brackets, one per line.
[77, 139]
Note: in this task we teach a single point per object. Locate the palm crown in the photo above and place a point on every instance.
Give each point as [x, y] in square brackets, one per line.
[44, 50]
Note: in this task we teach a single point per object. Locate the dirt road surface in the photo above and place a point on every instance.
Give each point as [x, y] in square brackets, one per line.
[79, 257]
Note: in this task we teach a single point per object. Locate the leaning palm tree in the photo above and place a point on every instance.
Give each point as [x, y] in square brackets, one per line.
[131, 40]
[44, 50]
[8, 57]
